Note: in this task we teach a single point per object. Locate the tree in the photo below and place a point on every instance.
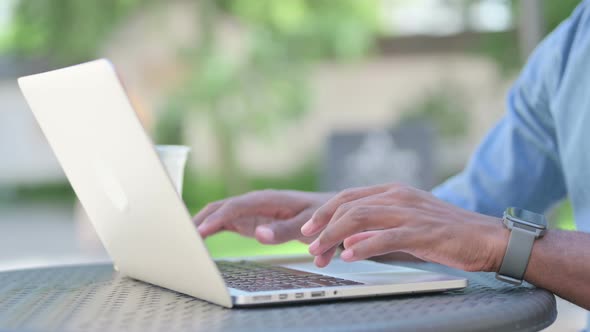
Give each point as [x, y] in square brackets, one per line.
[65, 31]
[267, 85]
[253, 94]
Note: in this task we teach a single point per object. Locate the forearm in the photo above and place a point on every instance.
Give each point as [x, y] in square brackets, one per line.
[560, 263]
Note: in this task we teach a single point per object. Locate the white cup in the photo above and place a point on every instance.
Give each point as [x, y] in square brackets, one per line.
[174, 159]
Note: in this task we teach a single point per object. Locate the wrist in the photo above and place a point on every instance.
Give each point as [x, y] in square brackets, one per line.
[499, 243]
[525, 228]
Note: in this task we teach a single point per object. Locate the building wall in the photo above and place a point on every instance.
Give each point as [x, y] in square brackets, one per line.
[375, 93]
[372, 94]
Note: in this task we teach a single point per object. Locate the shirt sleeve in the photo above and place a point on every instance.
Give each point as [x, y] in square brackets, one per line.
[518, 163]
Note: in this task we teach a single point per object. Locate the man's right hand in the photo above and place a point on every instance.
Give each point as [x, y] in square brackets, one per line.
[271, 216]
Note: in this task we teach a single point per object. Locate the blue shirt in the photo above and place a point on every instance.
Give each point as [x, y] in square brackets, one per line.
[539, 152]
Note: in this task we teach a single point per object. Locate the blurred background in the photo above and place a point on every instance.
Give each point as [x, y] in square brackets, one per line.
[294, 94]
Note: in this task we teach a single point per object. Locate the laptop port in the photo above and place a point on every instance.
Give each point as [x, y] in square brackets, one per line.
[282, 296]
[318, 294]
[298, 295]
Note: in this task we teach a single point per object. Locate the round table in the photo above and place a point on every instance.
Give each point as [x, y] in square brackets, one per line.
[96, 298]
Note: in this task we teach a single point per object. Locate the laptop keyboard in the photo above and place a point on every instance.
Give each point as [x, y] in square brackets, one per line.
[257, 277]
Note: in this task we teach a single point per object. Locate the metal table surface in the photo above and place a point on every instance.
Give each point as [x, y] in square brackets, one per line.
[95, 298]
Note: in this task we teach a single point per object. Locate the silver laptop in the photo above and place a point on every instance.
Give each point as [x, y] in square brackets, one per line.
[111, 163]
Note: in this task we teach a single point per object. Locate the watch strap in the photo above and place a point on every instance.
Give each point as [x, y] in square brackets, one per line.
[516, 258]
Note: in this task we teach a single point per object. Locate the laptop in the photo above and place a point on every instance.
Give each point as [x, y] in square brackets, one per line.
[143, 223]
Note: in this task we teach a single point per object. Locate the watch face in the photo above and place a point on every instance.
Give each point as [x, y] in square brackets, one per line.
[527, 217]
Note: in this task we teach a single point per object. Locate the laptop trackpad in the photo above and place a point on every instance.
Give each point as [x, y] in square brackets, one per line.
[371, 273]
[339, 267]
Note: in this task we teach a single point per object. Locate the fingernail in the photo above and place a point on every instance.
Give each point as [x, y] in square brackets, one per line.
[306, 228]
[265, 233]
[318, 262]
[347, 254]
[313, 247]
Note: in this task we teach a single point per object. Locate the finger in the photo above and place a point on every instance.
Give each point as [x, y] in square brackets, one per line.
[398, 195]
[353, 239]
[323, 215]
[371, 200]
[401, 196]
[358, 219]
[386, 241]
[324, 259]
[281, 231]
[384, 198]
[232, 209]
[206, 211]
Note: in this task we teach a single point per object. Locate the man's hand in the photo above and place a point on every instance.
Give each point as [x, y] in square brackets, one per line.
[271, 216]
[378, 220]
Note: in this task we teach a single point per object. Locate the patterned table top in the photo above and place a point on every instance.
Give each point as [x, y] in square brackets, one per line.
[95, 298]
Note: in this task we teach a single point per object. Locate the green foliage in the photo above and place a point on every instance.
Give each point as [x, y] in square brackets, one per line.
[253, 92]
[59, 192]
[557, 11]
[266, 85]
[313, 29]
[65, 30]
[444, 109]
[169, 128]
[250, 96]
[565, 217]
[228, 244]
[5, 40]
[503, 47]
[202, 188]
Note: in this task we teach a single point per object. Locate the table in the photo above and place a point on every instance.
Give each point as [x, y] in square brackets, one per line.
[96, 298]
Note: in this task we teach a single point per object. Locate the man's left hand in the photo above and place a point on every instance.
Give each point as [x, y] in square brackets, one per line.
[377, 220]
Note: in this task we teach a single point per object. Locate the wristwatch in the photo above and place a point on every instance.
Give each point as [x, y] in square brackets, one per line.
[525, 227]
